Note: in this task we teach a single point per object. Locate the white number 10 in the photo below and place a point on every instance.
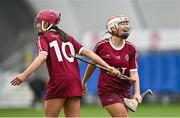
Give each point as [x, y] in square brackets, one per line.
[58, 53]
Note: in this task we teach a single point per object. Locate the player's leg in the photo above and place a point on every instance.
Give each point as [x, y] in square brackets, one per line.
[117, 110]
[53, 107]
[113, 103]
[72, 107]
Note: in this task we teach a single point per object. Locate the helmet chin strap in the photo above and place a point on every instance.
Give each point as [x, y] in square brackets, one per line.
[124, 36]
[46, 29]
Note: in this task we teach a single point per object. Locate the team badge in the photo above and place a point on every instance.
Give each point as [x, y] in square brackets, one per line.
[118, 57]
[108, 55]
[127, 57]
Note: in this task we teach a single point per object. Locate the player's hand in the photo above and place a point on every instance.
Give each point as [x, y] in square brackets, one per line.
[138, 97]
[114, 71]
[18, 80]
[84, 89]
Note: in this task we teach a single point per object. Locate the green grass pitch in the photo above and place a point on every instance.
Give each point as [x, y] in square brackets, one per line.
[144, 110]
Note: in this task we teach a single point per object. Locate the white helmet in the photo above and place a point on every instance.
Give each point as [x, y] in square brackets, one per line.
[115, 20]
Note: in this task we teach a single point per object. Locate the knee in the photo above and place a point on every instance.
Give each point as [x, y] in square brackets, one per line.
[51, 113]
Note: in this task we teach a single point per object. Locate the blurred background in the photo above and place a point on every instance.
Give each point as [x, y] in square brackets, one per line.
[155, 30]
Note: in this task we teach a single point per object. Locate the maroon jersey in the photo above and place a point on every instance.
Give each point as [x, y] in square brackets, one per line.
[63, 70]
[124, 58]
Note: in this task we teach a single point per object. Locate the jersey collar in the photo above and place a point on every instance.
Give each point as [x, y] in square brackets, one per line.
[119, 48]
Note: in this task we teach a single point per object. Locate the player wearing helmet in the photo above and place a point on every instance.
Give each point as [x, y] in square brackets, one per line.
[121, 54]
[54, 46]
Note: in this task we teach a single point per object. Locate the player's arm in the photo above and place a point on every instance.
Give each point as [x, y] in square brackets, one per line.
[89, 70]
[94, 57]
[39, 60]
[137, 95]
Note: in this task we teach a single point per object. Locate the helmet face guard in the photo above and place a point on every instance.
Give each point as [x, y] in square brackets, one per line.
[113, 22]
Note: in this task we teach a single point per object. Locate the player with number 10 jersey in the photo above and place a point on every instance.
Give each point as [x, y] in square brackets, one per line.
[63, 70]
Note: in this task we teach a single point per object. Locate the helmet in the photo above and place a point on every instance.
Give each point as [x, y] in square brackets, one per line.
[114, 21]
[51, 16]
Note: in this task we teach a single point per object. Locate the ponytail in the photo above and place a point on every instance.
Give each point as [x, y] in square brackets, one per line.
[63, 35]
[108, 32]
